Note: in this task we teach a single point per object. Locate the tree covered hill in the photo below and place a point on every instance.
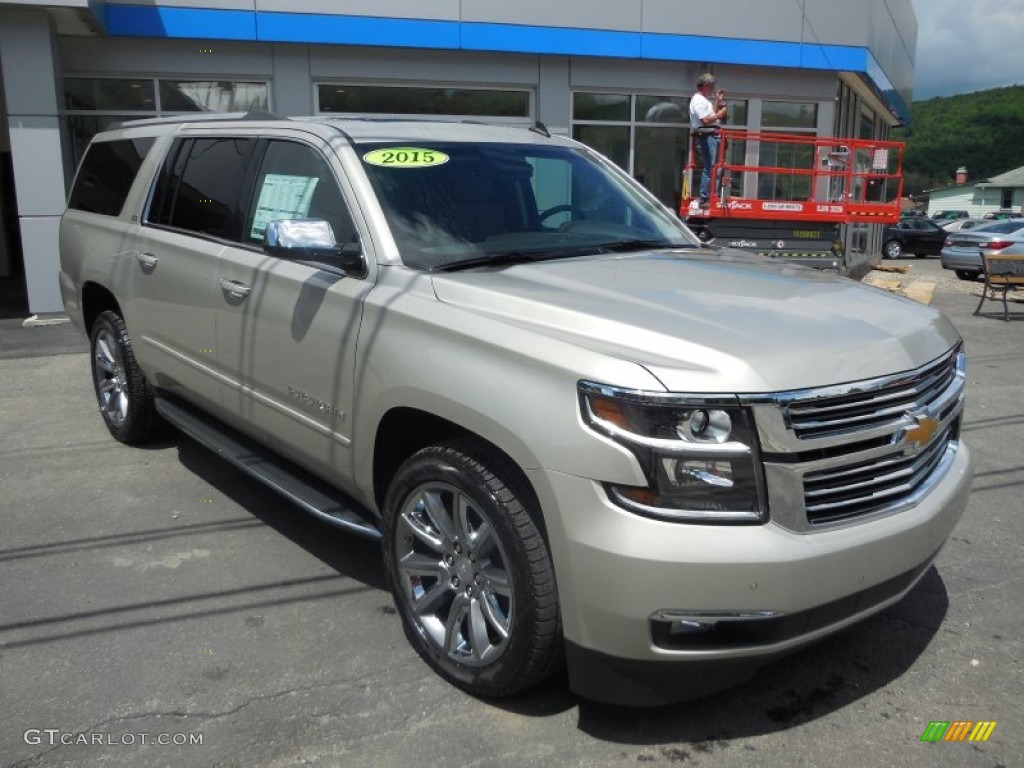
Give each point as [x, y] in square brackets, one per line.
[983, 131]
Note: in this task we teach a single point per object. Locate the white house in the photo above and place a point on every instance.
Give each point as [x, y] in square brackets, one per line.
[1004, 192]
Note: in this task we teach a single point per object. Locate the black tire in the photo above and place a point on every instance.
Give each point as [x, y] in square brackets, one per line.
[486, 614]
[124, 396]
[966, 274]
[892, 249]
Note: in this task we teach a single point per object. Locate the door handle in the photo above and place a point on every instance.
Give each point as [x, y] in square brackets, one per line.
[234, 289]
[147, 260]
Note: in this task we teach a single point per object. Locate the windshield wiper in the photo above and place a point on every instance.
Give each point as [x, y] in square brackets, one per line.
[622, 246]
[504, 258]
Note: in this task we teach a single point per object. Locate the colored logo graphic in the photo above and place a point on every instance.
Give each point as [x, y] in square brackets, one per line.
[958, 730]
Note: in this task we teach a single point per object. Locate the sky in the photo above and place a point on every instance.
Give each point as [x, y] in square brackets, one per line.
[968, 45]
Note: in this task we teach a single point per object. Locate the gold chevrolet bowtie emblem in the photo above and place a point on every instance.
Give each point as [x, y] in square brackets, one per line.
[918, 437]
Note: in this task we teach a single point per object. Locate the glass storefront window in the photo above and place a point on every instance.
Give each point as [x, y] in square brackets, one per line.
[600, 106]
[374, 99]
[644, 134]
[789, 114]
[658, 161]
[736, 116]
[105, 94]
[782, 185]
[612, 141]
[662, 109]
[867, 124]
[92, 104]
[212, 96]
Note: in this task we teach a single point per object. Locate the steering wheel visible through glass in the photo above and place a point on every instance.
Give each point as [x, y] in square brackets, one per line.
[564, 208]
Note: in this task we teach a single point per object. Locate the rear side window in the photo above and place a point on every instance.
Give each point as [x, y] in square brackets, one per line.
[108, 170]
[201, 186]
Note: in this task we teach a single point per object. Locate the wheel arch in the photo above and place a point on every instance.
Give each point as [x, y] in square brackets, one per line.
[96, 299]
[403, 431]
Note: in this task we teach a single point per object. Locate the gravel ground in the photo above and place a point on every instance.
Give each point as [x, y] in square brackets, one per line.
[945, 282]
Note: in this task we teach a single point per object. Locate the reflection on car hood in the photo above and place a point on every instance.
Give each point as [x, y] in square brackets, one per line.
[711, 320]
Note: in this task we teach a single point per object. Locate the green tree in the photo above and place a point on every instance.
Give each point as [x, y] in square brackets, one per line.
[981, 131]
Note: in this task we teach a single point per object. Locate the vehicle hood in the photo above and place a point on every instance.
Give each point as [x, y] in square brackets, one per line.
[710, 320]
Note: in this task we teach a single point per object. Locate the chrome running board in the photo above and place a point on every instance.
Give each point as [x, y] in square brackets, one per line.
[311, 494]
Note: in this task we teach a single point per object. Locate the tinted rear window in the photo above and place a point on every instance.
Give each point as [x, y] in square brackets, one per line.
[107, 172]
[201, 186]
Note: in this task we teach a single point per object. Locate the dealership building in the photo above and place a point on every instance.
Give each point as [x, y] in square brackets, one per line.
[615, 74]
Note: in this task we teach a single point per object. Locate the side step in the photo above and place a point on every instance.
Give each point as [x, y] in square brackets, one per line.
[309, 493]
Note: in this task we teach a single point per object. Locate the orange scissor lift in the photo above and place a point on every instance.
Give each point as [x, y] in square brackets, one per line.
[798, 198]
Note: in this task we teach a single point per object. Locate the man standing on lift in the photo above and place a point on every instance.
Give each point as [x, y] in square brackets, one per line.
[707, 111]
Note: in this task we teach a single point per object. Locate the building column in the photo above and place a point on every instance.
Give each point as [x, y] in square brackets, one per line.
[554, 95]
[28, 63]
[291, 80]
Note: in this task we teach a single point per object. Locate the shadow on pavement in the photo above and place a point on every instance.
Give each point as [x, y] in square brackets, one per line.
[812, 682]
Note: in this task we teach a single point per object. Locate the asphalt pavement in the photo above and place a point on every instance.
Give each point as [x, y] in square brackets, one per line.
[158, 608]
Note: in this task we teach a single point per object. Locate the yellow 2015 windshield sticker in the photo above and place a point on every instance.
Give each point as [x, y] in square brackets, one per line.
[405, 157]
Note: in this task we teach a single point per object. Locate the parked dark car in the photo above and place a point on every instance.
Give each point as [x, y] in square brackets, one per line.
[1001, 215]
[915, 236]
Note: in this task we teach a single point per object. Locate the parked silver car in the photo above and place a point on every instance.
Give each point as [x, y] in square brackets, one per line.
[960, 225]
[962, 250]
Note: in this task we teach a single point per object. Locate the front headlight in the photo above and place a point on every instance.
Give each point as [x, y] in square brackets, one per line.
[700, 454]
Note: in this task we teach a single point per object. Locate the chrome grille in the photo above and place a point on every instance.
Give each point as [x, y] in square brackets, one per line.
[868, 406]
[865, 487]
[835, 455]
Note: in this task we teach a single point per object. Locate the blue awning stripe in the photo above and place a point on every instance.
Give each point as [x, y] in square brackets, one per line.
[266, 26]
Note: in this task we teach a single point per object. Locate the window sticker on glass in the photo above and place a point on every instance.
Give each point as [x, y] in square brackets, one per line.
[282, 197]
[405, 157]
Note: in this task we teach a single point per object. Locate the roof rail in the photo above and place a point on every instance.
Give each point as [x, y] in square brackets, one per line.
[201, 117]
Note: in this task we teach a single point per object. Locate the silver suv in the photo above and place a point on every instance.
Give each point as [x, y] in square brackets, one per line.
[584, 437]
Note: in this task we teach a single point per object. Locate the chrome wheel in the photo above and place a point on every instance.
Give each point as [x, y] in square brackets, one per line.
[470, 570]
[109, 378]
[893, 249]
[124, 396]
[454, 573]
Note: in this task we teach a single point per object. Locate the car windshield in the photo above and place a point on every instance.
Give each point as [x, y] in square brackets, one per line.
[461, 205]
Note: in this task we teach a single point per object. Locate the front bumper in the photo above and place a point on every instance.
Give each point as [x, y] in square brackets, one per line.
[619, 573]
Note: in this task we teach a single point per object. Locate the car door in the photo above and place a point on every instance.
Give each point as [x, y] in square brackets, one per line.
[287, 333]
[193, 216]
[930, 237]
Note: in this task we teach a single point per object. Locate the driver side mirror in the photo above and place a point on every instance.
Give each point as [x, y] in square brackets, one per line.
[312, 240]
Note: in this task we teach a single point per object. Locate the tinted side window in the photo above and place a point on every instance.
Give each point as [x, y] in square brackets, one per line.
[295, 182]
[200, 187]
[107, 172]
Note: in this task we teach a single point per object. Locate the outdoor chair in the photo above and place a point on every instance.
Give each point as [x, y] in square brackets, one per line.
[1004, 274]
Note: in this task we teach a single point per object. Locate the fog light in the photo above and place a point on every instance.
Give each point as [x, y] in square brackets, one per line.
[688, 628]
